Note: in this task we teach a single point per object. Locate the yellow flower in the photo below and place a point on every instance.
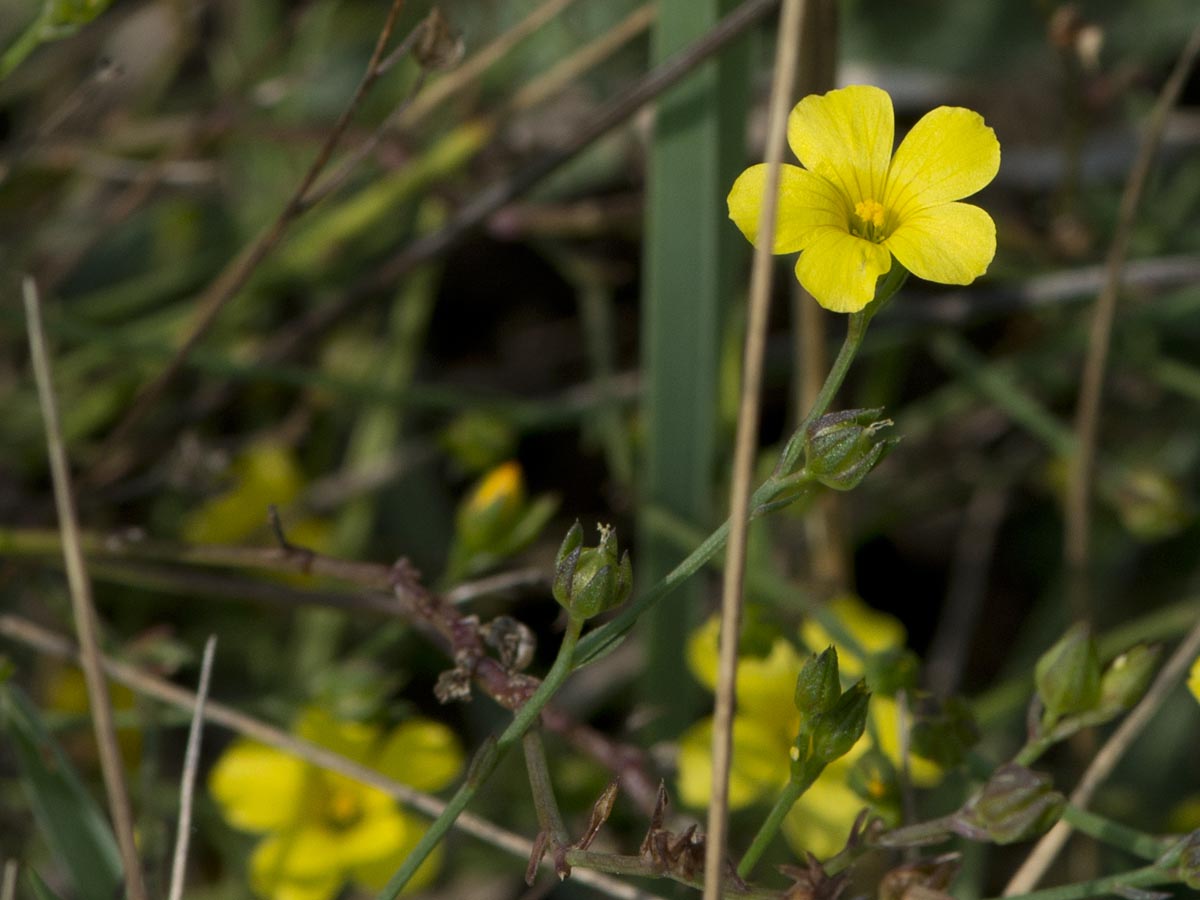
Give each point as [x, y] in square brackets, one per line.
[854, 206]
[766, 725]
[320, 828]
[1194, 679]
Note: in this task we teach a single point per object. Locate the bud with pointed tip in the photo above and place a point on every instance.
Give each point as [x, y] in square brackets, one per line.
[1068, 675]
[1015, 804]
[818, 687]
[591, 580]
[836, 731]
[841, 448]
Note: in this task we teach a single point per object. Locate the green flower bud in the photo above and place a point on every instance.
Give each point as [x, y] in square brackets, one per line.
[1068, 675]
[841, 448]
[1127, 677]
[818, 687]
[590, 580]
[835, 732]
[1015, 804]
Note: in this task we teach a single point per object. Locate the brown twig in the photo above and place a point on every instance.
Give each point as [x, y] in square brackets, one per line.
[238, 271]
[761, 275]
[44, 641]
[191, 765]
[84, 612]
[1077, 527]
[1104, 762]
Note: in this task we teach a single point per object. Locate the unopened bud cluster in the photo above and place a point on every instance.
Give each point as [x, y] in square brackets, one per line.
[832, 720]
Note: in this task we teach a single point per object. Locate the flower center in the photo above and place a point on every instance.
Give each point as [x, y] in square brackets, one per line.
[342, 808]
[870, 214]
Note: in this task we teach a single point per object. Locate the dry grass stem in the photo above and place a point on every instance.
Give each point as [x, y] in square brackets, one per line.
[1077, 536]
[761, 273]
[191, 764]
[83, 610]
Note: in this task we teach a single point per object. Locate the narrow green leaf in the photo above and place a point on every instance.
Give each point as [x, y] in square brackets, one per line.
[69, 819]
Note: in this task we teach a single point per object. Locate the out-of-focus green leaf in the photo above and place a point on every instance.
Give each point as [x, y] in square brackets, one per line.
[69, 819]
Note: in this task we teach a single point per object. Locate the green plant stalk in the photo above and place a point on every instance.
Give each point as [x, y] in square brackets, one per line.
[1104, 829]
[549, 816]
[485, 763]
[1098, 887]
[605, 638]
[770, 827]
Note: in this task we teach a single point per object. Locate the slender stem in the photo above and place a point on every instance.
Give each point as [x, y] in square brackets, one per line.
[770, 826]
[1102, 828]
[1097, 887]
[486, 761]
[620, 864]
[549, 816]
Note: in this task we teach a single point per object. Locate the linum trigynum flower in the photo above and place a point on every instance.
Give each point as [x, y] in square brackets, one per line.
[767, 722]
[854, 206]
[322, 829]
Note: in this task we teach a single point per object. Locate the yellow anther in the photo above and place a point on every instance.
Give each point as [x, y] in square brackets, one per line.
[870, 211]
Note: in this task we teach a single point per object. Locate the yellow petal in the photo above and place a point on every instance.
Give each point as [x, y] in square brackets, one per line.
[951, 244]
[421, 753]
[297, 865]
[760, 763]
[948, 155]
[806, 201]
[259, 788]
[376, 874]
[374, 837]
[355, 740]
[872, 630]
[1194, 679]
[766, 687]
[820, 821]
[846, 136]
[840, 270]
[701, 652]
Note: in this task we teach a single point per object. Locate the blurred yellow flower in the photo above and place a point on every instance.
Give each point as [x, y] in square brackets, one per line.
[503, 488]
[322, 829]
[766, 725]
[1194, 679]
[854, 205]
[263, 474]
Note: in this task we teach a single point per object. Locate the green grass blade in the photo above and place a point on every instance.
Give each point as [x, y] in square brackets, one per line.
[70, 820]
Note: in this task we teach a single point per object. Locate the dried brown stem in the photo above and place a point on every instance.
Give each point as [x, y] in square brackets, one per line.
[83, 609]
[761, 275]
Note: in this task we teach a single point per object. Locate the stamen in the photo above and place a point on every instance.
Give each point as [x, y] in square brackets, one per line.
[870, 211]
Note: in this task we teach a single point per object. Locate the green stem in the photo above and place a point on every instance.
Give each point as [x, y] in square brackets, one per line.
[1033, 750]
[604, 639]
[770, 827]
[487, 759]
[1147, 846]
[549, 817]
[1097, 887]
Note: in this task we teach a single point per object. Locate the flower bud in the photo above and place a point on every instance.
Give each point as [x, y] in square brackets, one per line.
[841, 448]
[1068, 675]
[492, 507]
[1127, 677]
[590, 580]
[818, 687]
[835, 732]
[1015, 804]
